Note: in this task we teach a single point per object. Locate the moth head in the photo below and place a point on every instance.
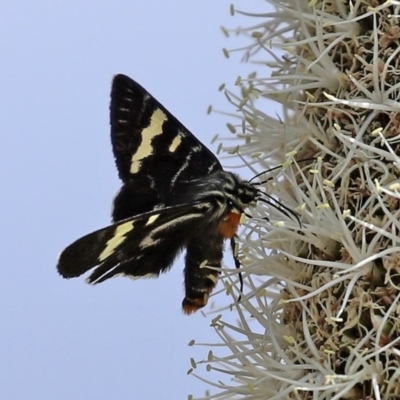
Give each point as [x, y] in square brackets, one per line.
[247, 194]
[238, 192]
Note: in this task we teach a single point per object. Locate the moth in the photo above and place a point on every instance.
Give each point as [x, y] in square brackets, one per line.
[175, 196]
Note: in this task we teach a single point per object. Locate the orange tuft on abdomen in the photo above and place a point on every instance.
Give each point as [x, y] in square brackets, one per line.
[191, 306]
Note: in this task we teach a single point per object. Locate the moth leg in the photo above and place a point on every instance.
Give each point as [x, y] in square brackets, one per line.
[237, 265]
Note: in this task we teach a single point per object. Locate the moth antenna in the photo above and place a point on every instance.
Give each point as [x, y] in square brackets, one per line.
[281, 207]
[264, 172]
[275, 168]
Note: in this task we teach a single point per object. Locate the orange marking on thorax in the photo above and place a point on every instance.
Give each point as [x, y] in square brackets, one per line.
[229, 225]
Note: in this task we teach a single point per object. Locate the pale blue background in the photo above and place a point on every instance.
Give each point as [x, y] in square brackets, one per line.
[63, 339]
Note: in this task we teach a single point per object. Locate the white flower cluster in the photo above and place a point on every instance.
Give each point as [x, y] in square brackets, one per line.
[319, 317]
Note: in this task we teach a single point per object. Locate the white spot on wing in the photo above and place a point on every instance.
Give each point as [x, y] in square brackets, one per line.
[175, 143]
[149, 240]
[211, 167]
[148, 134]
[152, 219]
[118, 238]
[182, 168]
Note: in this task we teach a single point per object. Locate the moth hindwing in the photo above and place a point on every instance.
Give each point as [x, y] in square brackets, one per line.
[174, 196]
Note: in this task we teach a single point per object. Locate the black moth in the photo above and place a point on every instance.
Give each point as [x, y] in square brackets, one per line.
[175, 195]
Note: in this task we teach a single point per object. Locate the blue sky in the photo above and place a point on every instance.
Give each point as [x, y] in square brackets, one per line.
[63, 339]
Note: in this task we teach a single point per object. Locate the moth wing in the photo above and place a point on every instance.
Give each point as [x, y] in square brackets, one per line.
[144, 132]
[145, 245]
[153, 150]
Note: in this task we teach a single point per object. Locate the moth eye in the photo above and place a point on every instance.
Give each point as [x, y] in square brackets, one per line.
[247, 196]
